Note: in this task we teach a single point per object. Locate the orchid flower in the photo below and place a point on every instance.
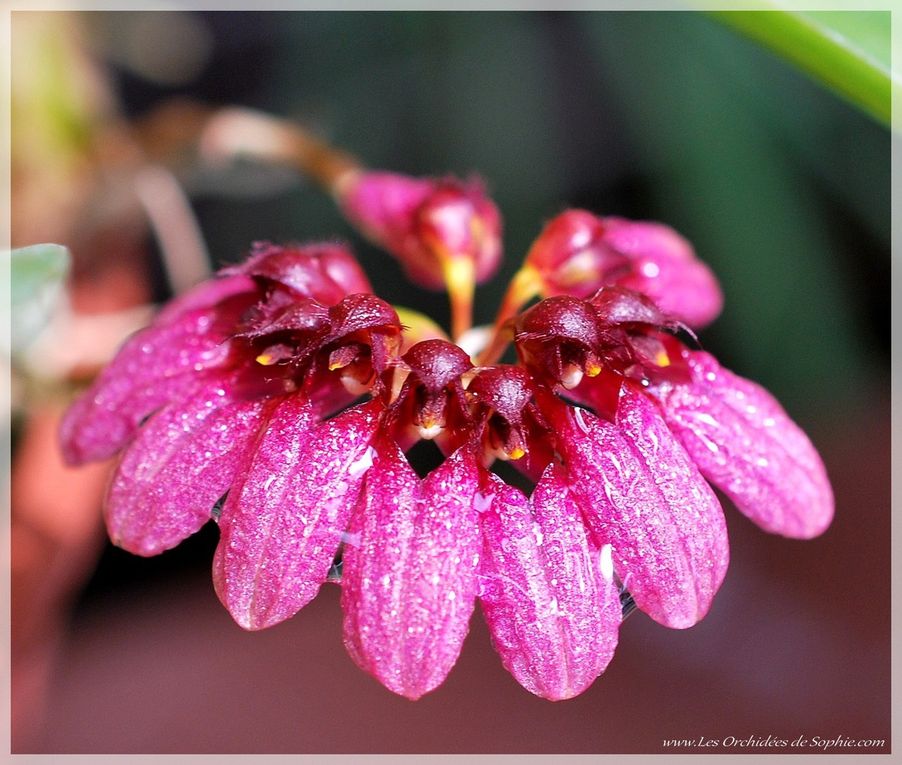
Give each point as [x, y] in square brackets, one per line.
[279, 399]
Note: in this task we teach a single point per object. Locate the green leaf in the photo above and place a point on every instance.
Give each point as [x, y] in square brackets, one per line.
[848, 51]
[37, 274]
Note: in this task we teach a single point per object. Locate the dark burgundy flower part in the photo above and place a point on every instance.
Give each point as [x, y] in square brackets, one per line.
[615, 306]
[577, 253]
[433, 394]
[325, 271]
[502, 401]
[558, 338]
[423, 221]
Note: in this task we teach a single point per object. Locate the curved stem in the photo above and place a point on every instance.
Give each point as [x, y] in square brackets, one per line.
[460, 280]
[524, 286]
[245, 131]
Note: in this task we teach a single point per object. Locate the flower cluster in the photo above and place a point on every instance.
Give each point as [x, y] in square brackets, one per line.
[280, 398]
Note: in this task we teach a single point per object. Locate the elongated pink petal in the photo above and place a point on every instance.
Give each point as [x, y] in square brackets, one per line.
[283, 520]
[665, 268]
[155, 366]
[548, 594]
[640, 492]
[744, 442]
[409, 571]
[183, 460]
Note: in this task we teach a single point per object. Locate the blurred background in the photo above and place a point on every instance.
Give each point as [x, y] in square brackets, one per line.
[783, 188]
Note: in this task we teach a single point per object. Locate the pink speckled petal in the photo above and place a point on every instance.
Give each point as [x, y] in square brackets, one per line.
[640, 492]
[665, 268]
[182, 461]
[744, 442]
[548, 594]
[283, 520]
[157, 365]
[409, 571]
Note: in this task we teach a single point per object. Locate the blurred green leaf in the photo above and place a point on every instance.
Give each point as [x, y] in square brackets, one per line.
[36, 268]
[849, 51]
[37, 274]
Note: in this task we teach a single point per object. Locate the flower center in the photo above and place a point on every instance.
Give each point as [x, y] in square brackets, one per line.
[435, 392]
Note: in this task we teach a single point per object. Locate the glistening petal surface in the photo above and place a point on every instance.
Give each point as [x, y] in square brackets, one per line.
[409, 570]
[283, 520]
[640, 492]
[183, 460]
[745, 443]
[548, 595]
[156, 365]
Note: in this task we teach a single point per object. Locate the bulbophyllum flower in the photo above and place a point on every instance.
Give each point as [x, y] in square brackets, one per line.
[280, 399]
[577, 253]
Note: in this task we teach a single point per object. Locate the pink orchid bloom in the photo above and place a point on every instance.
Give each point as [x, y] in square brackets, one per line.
[577, 253]
[241, 396]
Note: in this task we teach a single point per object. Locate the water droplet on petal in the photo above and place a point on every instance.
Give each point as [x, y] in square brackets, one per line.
[362, 463]
[482, 502]
[607, 563]
[350, 538]
[578, 416]
[540, 537]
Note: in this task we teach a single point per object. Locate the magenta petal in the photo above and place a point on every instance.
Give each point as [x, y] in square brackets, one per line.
[640, 492]
[153, 367]
[745, 443]
[548, 595]
[283, 520]
[409, 570]
[665, 268]
[383, 204]
[183, 460]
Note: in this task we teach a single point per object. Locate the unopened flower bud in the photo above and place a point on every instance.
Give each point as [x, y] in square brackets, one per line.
[427, 224]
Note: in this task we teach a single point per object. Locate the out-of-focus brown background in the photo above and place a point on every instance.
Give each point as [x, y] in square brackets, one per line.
[783, 189]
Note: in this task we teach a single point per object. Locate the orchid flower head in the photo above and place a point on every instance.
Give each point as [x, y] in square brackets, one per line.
[280, 398]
